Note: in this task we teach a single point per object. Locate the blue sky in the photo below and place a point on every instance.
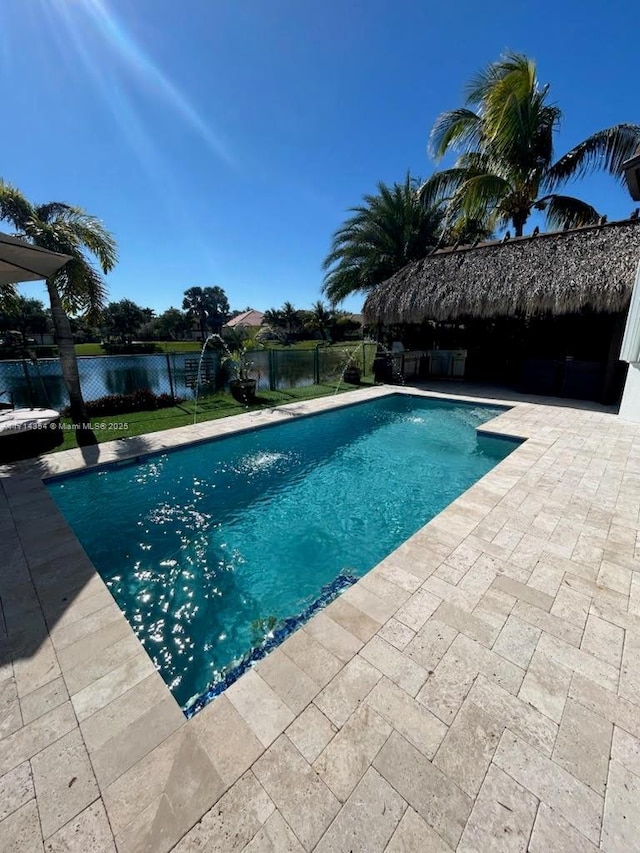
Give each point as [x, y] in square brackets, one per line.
[222, 141]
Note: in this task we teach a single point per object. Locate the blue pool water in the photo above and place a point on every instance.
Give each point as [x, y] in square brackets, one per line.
[212, 549]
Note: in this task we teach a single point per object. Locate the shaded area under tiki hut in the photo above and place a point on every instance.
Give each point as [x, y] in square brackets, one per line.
[545, 312]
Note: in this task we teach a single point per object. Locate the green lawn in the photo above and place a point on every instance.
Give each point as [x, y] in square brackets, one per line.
[196, 346]
[179, 346]
[162, 346]
[209, 408]
[89, 349]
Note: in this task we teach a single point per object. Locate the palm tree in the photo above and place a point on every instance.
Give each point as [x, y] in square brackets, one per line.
[320, 318]
[385, 233]
[272, 317]
[78, 287]
[209, 305]
[505, 169]
[289, 317]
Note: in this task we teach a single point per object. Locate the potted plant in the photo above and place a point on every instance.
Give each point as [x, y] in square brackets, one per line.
[239, 358]
[351, 372]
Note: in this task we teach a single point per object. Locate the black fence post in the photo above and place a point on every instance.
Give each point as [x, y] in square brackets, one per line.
[28, 381]
[171, 388]
[272, 370]
[316, 365]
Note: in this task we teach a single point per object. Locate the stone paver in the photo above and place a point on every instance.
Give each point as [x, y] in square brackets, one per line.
[20, 832]
[346, 759]
[552, 832]
[191, 785]
[517, 641]
[64, 782]
[502, 816]
[621, 826]
[408, 716]
[291, 683]
[301, 796]
[403, 671]
[414, 835]
[425, 787]
[275, 836]
[347, 690]
[396, 634]
[578, 725]
[44, 699]
[515, 714]
[479, 690]
[238, 816]
[546, 686]
[16, 789]
[625, 749]
[603, 640]
[375, 805]
[227, 739]
[468, 747]
[88, 831]
[266, 714]
[551, 784]
[35, 736]
[311, 732]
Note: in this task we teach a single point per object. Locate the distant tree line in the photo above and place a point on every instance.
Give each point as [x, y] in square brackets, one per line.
[290, 324]
[24, 321]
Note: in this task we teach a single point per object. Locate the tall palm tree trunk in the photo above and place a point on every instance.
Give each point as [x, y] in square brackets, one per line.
[519, 221]
[69, 366]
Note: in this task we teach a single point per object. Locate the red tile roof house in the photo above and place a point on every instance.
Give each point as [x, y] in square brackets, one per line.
[249, 318]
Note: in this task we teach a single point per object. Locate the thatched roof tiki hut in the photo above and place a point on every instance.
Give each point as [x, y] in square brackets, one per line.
[556, 301]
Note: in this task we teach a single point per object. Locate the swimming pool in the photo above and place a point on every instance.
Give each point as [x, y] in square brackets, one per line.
[216, 551]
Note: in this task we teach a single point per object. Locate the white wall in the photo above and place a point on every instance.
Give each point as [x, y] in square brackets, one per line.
[630, 352]
[630, 405]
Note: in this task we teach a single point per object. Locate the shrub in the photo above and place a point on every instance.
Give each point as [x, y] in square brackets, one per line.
[121, 404]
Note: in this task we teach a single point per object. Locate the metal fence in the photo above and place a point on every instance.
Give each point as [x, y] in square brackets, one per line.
[39, 382]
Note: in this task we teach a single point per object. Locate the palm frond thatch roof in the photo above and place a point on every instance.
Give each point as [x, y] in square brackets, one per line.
[561, 272]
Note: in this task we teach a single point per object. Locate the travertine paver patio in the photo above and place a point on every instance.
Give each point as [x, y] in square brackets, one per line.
[479, 690]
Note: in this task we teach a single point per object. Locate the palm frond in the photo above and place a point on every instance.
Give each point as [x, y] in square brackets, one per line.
[607, 149]
[8, 297]
[441, 186]
[81, 287]
[506, 130]
[81, 231]
[483, 81]
[518, 123]
[390, 229]
[479, 195]
[563, 211]
[14, 207]
[455, 129]
[53, 210]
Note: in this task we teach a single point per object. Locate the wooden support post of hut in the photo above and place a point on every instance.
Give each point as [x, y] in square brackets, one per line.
[545, 312]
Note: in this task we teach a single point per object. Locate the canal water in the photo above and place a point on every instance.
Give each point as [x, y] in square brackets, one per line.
[40, 383]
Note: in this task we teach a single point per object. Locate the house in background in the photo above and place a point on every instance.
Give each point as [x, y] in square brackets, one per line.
[544, 313]
[251, 319]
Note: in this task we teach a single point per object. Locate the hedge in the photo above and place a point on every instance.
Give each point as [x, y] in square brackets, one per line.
[121, 404]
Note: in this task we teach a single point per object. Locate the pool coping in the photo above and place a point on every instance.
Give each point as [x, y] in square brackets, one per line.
[252, 712]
